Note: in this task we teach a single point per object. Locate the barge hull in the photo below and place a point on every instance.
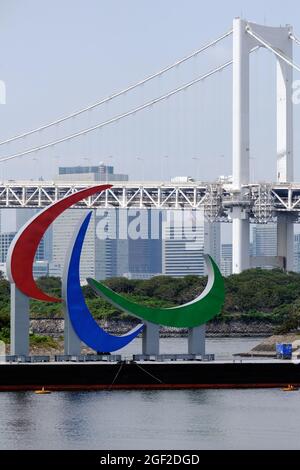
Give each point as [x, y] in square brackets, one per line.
[146, 375]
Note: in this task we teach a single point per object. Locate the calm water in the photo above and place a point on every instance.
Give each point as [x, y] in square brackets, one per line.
[186, 419]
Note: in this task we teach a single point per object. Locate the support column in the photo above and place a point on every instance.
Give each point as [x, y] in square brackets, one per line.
[240, 137]
[72, 344]
[19, 322]
[285, 171]
[285, 240]
[150, 339]
[240, 142]
[196, 340]
[285, 164]
[240, 241]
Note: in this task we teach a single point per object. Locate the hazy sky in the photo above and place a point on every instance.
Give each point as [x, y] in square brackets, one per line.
[59, 55]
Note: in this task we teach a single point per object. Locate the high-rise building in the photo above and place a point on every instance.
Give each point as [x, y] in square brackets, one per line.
[264, 241]
[226, 259]
[5, 241]
[40, 269]
[40, 266]
[101, 258]
[101, 172]
[63, 228]
[297, 253]
[22, 216]
[111, 249]
[184, 246]
[145, 252]
[44, 252]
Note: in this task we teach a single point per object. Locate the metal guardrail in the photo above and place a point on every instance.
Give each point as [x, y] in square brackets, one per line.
[61, 358]
[22, 359]
[173, 357]
[88, 358]
[106, 358]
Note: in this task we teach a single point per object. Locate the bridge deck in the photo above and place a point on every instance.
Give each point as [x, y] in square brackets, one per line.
[262, 200]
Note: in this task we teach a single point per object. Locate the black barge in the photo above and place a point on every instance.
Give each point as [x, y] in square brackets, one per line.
[148, 375]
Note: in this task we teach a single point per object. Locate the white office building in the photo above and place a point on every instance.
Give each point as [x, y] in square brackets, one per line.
[226, 259]
[100, 258]
[63, 228]
[297, 253]
[264, 240]
[186, 237]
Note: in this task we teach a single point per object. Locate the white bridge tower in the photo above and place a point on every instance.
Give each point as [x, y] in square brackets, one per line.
[245, 36]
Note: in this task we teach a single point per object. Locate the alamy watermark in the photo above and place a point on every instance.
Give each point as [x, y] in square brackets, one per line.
[183, 224]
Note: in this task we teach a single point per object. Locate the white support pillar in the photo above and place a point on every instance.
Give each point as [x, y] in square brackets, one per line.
[240, 241]
[285, 164]
[240, 137]
[285, 240]
[196, 340]
[285, 171]
[240, 226]
[240, 245]
[150, 339]
[19, 322]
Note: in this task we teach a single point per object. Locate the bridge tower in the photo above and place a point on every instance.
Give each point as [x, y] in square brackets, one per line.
[243, 43]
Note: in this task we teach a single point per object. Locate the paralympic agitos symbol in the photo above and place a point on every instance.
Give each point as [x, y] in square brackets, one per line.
[20, 271]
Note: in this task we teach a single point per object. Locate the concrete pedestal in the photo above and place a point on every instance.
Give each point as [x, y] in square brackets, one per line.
[72, 344]
[150, 341]
[196, 340]
[19, 322]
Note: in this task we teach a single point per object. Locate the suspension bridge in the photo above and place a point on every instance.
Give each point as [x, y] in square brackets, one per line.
[238, 201]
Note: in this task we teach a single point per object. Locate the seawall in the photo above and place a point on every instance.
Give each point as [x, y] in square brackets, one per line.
[236, 328]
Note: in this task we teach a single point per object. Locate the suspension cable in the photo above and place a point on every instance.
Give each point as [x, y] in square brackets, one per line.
[294, 38]
[119, 93]
[120, 116]
[279, 54]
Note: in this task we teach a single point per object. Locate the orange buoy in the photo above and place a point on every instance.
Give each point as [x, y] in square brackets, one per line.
[42, 391]
[290, 388]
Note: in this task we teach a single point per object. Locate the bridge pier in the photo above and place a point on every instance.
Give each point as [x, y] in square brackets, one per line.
[240, 141]
[240, 241]
[242, 45]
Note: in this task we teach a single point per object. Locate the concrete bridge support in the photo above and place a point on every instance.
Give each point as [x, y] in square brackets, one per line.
[243, 43]
[240, 142]
[240, 241]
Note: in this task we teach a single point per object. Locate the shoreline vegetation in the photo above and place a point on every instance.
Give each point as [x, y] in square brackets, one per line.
[258, 303]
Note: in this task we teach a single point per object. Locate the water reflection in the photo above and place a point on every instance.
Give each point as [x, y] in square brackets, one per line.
[150, 419]
[176, 419]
